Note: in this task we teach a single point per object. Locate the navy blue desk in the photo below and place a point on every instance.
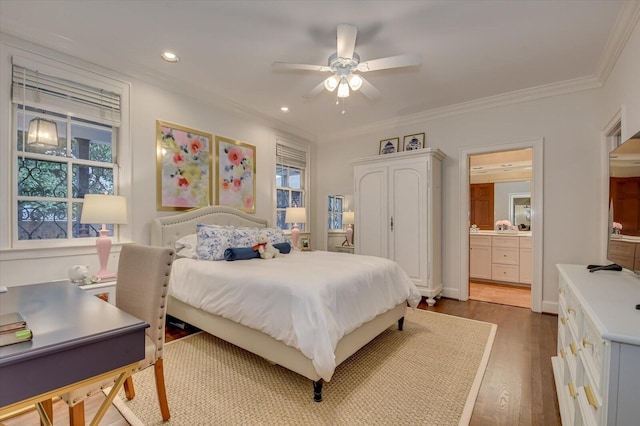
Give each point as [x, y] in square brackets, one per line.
[77, 339]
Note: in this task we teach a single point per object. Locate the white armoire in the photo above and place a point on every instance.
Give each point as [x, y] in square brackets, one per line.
[398, 213]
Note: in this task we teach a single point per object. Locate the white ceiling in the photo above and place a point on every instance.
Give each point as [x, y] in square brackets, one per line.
[471, 49]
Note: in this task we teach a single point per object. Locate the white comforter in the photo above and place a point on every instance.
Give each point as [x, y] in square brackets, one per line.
[308, 300]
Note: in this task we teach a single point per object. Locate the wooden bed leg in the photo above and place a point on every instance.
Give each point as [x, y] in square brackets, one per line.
[400, 324]
[317, 390]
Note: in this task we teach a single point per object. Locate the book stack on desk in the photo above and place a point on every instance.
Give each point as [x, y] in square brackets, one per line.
[13, 329]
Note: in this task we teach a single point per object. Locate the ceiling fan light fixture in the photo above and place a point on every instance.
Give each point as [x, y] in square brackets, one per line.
[355, 81]
[331, 83]
[343, 88]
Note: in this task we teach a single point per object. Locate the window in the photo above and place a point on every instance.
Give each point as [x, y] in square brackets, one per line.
[52, 180]
[291, 170]
[334, 216]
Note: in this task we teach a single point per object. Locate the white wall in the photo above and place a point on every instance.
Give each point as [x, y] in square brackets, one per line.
[148, 104]
[570, 129]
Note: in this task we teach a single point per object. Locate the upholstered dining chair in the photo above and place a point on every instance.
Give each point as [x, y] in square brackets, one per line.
[141, 290]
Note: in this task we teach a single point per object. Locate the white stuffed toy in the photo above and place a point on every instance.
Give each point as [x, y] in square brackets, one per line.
[266, 249]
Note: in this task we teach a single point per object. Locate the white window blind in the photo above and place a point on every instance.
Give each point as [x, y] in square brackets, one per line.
[290, 156]
[39, 90]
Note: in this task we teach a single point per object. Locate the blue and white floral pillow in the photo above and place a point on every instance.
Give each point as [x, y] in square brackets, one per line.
[213, 240]
[246, 237]
[275, 235]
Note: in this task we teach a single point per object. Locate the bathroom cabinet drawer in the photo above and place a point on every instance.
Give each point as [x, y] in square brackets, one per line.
[526, 242]
[480, 240]
[507, 273]
[500, 241]
[505, 256]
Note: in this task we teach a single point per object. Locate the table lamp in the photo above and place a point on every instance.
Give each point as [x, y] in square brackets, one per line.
[348, 218]
[98, 208]
[295, 215]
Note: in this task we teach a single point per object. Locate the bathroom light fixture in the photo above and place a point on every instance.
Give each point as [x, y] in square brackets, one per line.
[284, 109]
[169, 56]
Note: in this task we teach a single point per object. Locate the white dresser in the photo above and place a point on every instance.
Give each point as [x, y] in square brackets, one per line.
[597, 368]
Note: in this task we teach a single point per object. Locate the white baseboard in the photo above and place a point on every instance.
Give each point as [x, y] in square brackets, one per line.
[549, 307]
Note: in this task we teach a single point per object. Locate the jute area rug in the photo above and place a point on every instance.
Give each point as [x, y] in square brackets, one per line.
[428, 374]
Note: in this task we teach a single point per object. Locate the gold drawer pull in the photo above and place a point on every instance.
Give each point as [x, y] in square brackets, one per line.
[590, 397]
[563, 320]
[573, 349]
[559, 290]
[570, 310]
[585, 342]
[562, 353]
[572, 390]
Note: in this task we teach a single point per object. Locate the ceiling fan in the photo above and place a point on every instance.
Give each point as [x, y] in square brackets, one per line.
[346, 66]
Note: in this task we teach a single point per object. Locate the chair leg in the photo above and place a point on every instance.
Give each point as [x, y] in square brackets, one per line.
[47, 406]
[129, 391]
[76, 414]
[162, 391]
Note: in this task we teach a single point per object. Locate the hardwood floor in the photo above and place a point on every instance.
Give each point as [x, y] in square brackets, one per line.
[500, 293]
[517, 389]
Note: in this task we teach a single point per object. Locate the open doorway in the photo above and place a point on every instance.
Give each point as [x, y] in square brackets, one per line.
[500, 234]
[503, 251]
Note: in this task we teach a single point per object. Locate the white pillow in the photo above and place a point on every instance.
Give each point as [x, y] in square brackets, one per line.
[213, 240]
[186, 246]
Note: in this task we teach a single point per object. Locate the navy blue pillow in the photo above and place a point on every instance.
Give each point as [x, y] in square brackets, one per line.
[240, 253]
[283, 247]
[244, 253]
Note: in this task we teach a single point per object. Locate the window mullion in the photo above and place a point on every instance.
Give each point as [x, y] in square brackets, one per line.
[69, 183]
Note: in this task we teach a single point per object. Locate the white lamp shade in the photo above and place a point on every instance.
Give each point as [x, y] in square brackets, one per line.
[108, 209]
[348, 218]
[296, 215]
[42, 132]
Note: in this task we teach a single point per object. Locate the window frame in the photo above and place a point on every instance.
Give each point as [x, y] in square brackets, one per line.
[69, 161]
[62, 66]
[330, 212]
[305, 182]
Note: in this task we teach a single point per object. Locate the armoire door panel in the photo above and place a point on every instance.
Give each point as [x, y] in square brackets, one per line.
[407, 191]
[372, 193]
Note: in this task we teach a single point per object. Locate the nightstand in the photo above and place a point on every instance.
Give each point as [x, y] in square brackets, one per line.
[104, 290]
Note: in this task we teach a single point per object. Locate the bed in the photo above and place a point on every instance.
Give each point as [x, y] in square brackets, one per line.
[294, 355]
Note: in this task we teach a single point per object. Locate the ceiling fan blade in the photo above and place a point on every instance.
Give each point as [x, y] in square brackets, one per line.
[399, 61]
[307, 67]
[346, 40]
[319, 88]
[369, 90]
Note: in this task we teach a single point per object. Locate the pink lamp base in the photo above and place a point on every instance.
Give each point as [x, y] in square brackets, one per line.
[103, 245]
[295, 237]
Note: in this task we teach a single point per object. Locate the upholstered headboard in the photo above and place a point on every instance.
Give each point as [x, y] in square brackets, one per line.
[166, 230]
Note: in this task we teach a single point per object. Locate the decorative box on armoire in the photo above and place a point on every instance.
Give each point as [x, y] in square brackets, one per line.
[398, 213]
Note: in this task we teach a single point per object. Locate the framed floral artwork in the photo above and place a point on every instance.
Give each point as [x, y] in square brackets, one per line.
[389, 146]
[413, 142]
[236, 174]
[184, 167]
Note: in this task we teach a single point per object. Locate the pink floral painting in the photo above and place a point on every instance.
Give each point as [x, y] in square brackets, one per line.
[184, 167]
[236, 175]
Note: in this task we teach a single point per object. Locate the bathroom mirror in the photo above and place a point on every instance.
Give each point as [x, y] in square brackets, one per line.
[520, 210]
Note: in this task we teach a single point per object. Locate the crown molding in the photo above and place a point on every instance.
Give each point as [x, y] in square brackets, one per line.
[145, 76]
[517, 96]
[625, 23]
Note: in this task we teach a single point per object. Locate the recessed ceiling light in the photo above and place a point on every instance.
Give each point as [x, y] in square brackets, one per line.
[284, 109]
[170, 57]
